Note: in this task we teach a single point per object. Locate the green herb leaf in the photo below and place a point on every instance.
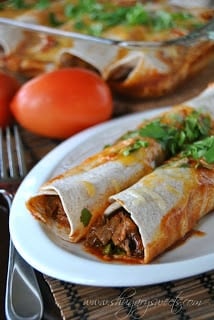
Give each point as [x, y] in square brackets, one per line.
[155, 130]
[42, 4]
[107, 249]
[85, 217]
[135, 146]
[106, 146]
[163, 20]
[130, 134]
[203, 149]
[182, 16]
[175, 135]
[196, 125]
[110, 249]
[19, 4]
[53, 20]
[138, 15]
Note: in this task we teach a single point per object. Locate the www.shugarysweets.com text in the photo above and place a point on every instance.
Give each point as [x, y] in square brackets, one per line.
[135, 305]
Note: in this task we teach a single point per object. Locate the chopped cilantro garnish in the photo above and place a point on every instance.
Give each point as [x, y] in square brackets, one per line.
[163, 20]
[95, 17]
[135, 146]
[138, 15]
[182, 15]
[42, 4]
[196, 124]
[155, 130]
[176, 134]
[85, 217]
[130, 134]
[106, 146]
[53, 20]
[18, 4]
[203, 149]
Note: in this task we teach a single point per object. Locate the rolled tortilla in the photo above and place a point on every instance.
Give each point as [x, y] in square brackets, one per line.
[70, 202]
[146, 219]
[85, 189]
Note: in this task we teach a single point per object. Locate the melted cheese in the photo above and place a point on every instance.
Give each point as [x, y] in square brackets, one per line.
[90, 188]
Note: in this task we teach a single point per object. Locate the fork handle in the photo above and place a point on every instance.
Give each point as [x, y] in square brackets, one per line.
[11, 189]
[23, 298]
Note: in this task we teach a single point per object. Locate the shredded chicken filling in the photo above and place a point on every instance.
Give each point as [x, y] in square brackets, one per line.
[116, 235]
[55, 210]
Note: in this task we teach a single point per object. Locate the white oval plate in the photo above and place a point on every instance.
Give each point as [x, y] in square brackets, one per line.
[75, 265]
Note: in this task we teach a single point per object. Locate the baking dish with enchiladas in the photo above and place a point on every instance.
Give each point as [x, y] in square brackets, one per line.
[141, 49]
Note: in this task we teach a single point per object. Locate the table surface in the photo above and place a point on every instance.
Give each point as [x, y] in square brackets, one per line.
[191, 298]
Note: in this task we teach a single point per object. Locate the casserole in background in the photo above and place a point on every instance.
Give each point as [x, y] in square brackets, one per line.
[142, 61]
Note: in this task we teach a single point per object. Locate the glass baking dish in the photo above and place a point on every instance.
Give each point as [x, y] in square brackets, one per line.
[136, 61]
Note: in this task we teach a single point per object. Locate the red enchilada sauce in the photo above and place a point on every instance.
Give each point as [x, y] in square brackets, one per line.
[117, 238]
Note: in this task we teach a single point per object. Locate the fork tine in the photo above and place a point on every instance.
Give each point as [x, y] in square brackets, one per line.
[12, 161]
[10, 153]
[3, 159]
[20, 152]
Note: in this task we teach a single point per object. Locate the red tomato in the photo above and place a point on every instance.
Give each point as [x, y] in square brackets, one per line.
[8, 87]
[62, 102]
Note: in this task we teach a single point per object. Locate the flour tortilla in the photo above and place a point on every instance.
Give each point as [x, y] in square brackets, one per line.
[166, 205]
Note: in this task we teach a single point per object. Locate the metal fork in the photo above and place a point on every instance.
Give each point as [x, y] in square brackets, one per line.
[23, 298]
